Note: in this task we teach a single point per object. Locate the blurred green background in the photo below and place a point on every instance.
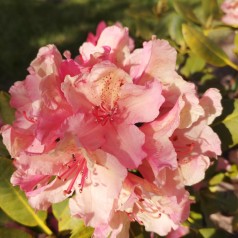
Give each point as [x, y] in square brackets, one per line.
[29, 24]
[26, 25]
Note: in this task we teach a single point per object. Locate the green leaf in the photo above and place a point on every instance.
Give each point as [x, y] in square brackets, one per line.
[219, 34]
[185, 11]
[143, 30]
[13, 201]
[6, 112]
[228, 123]
[205, 47]
[65, 220]
[161, 7]
[13, 233]
[175, 29]
[214, 233]
[195, 215]
[210, 9]
[82, 232]
[233, 171]
[231, 122]
[236, 44]
[193, 64]
[207, 232]
[218, 178]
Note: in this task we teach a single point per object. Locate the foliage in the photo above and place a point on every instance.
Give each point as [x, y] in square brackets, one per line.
[207, 55]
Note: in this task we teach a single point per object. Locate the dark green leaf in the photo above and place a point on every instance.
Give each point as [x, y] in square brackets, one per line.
[219, 34]
[82, 232]
[210, 9]
[236, 44]
[65, 220]
[6, 112]
[138, 231]
[193, 64]
[13, 233]
[227, 123]
[3, 150]
[175, 29]
[4, 219]
[221, 201]
[185, 11]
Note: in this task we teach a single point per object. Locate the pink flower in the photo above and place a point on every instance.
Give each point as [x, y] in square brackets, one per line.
[189, 149]
[40, 106]
[194, 145]
[159, 208]
[115, 130]
[112, 105]
[160, 150]
[157, 60]
[94, 38]
[52, 177]
[230, 8]
[180, 232]
[97, 202]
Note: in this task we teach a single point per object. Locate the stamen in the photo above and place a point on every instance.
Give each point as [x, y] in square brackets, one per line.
[67, 172]
[131, 217]
[69, 189]
[42, 180]
[84, 176]
[74, 168]
[146, 206]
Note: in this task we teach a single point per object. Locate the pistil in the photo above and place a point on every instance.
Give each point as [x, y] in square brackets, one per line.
[102, 114]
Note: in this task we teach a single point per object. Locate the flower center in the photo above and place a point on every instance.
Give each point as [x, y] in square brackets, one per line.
[107, 91]
[183, 151]
[146, 206]
[103, 114]
[73, 169]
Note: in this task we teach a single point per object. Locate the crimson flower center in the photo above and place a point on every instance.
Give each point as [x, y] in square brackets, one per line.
[104, 114]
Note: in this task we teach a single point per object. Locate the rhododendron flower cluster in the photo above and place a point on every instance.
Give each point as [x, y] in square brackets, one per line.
[116, 130]
[230, 8]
